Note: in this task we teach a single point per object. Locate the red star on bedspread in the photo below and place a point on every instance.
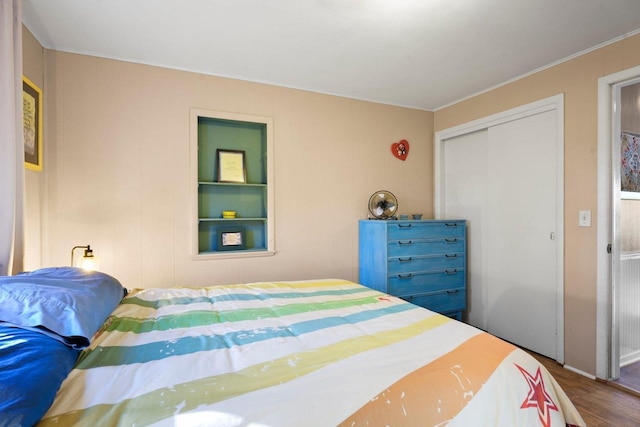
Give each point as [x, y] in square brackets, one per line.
[538, 396]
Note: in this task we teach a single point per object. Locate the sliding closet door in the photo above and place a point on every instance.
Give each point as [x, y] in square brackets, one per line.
[465, 192]
[521, 244]
[502, 179]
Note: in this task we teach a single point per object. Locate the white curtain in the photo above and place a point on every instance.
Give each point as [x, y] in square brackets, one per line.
[11, 143]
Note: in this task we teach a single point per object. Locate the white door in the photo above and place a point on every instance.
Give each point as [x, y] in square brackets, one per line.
[521, 242]
[504, 181]
[465, 188]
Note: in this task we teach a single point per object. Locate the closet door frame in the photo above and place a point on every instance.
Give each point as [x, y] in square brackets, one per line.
[553, 103]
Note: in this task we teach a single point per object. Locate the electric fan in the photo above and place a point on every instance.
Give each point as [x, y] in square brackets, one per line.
[383, 204]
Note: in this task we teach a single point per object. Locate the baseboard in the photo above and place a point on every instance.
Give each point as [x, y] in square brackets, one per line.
[630, 358]
[578, 371]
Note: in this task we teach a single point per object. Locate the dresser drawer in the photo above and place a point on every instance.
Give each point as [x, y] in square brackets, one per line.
[451, 300]
[420, 283]
[444, 245]
[411, 264]
[423, 261]
[400, 230]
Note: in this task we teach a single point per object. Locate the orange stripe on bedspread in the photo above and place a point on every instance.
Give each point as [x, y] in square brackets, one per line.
[436, 392]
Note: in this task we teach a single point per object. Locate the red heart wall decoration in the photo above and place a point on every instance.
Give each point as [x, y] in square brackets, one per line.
[400, 149]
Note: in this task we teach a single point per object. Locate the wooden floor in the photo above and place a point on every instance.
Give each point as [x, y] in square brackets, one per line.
[599, 403]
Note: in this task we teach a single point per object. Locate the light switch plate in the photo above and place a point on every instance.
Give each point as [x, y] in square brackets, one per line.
[584, 218]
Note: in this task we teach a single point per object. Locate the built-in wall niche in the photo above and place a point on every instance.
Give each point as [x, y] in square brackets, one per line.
[232, 185]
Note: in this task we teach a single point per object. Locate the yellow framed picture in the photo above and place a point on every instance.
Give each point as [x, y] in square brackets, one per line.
[231, 166]
[32, 124]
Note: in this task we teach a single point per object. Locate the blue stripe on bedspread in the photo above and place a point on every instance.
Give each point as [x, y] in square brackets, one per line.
[124, 355]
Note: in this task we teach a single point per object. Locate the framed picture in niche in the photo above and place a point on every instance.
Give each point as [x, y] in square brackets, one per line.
[232, 238]
[32, 124]
[231, 166]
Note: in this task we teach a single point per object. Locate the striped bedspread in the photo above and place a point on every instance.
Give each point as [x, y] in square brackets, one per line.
[312, 353]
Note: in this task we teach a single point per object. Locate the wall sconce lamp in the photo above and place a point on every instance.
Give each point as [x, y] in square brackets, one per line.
[88, 260]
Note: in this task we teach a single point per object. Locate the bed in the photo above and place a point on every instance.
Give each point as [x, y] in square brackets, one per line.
[312, 353]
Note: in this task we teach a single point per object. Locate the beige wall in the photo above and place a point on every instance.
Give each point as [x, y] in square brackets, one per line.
[630, 226]
[117, 169]
[578, 80]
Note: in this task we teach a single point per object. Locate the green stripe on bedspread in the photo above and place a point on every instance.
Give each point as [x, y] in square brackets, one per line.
[169, 401]
[195, 318]
[126, 355]
[156, 304]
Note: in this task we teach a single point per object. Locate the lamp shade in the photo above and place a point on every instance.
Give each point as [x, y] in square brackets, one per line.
[90, 263]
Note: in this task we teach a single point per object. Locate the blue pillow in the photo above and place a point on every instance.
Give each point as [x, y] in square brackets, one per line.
[66, 303]
[32, 367]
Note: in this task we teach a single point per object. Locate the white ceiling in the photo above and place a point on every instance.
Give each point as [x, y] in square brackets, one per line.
[423, 54]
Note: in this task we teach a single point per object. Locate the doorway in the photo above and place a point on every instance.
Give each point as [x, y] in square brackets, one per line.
[628, 230]
[618, 252]
[504, 174]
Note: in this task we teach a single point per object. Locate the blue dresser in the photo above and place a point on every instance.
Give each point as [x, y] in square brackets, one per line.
[423, 262]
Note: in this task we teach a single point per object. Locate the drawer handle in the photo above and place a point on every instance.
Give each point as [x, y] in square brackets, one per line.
[453, 292]
[451, 240]
[407, 242]
[405, 276]
[405, 259]
[451, 256]
[454, 271]
[405, 225]
[450, 224]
